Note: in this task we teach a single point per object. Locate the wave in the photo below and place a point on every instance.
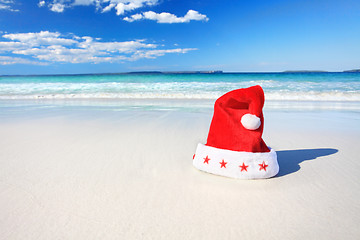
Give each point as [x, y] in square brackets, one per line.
[272, 96]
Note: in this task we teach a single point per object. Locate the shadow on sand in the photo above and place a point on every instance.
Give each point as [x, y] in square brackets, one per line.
[289, 160]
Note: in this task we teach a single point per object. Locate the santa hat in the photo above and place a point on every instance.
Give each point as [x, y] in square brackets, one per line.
[235, 147]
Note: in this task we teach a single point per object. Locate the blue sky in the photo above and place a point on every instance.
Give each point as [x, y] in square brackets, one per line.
[100, 36]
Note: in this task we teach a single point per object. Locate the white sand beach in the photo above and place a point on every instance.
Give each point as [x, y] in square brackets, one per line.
[129, 175]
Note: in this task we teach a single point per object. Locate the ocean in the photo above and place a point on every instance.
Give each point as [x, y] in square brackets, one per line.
[164, 91]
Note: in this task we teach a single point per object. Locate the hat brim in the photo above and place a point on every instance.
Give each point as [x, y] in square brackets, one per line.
[234, 164]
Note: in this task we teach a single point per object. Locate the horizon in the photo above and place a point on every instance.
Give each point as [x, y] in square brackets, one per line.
[357, 71]
[57, 37]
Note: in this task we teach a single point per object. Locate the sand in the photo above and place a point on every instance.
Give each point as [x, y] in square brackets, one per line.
[129, 175]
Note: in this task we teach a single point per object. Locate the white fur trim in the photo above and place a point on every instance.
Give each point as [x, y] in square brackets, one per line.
[250, 121]
[233, 160]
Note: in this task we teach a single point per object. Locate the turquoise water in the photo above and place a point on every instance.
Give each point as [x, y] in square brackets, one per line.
[277, 86]
[336, 88]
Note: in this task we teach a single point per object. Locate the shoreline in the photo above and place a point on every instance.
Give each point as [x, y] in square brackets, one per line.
[175, 104]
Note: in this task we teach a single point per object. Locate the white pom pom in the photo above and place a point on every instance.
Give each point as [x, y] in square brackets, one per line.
[250, 121]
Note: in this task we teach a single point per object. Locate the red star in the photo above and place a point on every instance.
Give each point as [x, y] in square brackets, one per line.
[244, 167]
[263, 166]
[223, 164]
[206, 160]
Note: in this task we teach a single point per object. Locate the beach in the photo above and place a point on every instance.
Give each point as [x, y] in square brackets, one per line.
[179, 120]
[94, 173]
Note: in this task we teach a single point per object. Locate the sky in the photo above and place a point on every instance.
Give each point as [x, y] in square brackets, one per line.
[111, 36]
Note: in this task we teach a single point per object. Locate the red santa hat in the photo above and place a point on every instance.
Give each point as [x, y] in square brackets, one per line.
[235, 147]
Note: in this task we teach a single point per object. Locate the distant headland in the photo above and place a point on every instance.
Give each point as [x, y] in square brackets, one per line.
[353, 70]
[304, 71]
[317, 71]
[176, 72]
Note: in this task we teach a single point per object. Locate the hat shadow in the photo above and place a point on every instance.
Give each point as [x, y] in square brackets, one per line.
[289, 160]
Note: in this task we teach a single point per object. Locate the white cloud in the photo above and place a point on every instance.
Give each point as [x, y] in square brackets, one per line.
[7, 5]
[134, 17]
[165, 17]
[40, 38]
[108, 7]
[159, 52]
[84, 2]
[41, 3]
[57, 7]
[195, 15]
[48, 47]
[6, 60]
[121, 6]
